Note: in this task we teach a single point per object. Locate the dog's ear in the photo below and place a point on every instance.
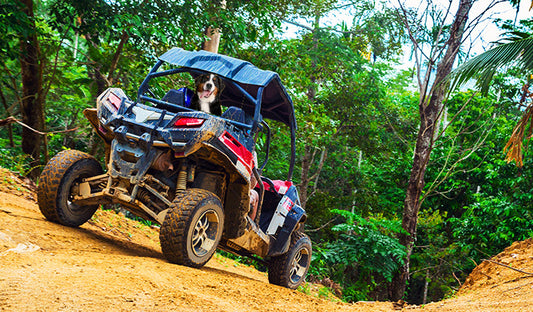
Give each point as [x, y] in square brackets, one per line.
[197, 80]
[221, 84]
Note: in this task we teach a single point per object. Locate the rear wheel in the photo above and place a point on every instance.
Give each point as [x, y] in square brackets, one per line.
[192, 228]
[289, 269]
[54, 193]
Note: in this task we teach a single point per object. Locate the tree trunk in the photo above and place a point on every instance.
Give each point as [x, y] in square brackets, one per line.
[9, 127]
[32, 105]
[118, 52]
[211, 45]
[100, 80]
[309, 153]
[304, 176]
[430, 108]
[426, 284]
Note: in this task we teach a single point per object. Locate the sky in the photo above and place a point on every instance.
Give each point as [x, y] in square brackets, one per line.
[480, 40]
[485, 33]
[488, 30]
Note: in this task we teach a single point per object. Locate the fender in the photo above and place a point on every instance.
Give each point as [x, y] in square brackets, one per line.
[281, 243]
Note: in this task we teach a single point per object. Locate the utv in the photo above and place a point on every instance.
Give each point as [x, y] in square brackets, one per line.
[189, 171]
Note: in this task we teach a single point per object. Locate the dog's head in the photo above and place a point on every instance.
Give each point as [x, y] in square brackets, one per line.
[208, 87]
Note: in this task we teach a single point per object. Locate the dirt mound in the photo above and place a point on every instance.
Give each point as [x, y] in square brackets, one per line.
[499, 269]
[113, 263]
[502, 283]
[17, 185]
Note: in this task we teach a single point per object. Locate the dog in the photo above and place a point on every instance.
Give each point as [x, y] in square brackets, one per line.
[207, 95]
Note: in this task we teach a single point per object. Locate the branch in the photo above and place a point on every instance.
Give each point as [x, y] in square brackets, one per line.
[448, 172]
[313, 29]
[457, 279]
[323, 156]
[323, 226]
[455, 116]
[14, 84]
[403, 140]
[298, 24]
[406, 23]
[11, 119]
[509, 267]
[320, 163]
[123, 39]
[46, 89]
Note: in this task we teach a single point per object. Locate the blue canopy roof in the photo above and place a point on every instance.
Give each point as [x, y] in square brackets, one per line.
[275, 103]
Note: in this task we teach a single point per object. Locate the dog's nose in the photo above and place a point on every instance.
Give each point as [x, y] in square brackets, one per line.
[209, 86]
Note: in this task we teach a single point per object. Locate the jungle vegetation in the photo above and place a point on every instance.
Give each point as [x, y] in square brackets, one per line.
[403, 173]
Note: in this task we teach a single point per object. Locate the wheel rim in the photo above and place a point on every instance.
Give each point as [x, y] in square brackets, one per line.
[299, 265]
[72, 207]
[205, 233]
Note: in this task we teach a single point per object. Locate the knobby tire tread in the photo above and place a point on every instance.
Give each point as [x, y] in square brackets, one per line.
[173, 233]
[278, 267]
[50, 182]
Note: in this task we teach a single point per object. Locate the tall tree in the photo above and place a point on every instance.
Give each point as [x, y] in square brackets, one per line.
[32, 105]
[440, 60]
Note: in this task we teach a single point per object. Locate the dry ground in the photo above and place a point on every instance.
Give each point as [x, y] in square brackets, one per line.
[114, 264]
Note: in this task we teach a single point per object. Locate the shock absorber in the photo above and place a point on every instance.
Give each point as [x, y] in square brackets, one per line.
[182, 177]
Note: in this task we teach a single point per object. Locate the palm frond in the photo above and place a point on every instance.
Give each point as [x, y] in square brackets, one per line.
[515, 49]
[484, 66]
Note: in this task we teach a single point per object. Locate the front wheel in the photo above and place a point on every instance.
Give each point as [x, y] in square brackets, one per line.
[289, 269]
[59, 176]
[192, 228]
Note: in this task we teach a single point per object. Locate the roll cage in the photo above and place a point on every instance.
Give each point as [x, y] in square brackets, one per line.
[259, 93]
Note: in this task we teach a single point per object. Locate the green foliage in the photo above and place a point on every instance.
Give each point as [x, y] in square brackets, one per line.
[349, 103]
[344, 106]
[370, 243]
[15, 24]
[13, 159]
[436, 259]
[366, 249]
[491, 224]
[476, 203]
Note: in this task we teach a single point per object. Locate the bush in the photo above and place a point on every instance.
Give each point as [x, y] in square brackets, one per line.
[490, 225]
[364, 257]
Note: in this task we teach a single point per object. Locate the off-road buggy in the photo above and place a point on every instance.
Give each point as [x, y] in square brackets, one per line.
[189, 171]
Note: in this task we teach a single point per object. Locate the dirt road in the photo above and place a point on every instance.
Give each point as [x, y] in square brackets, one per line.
[114, 264]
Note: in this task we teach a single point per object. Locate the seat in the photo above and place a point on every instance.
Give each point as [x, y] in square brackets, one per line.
[175, 97]
[271, 200]
[235, 114]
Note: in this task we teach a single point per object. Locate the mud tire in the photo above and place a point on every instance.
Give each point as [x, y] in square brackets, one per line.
[55, 183]
[192, 228]
[289, 270]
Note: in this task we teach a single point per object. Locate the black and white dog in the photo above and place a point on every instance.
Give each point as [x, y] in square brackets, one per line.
[207, 95]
